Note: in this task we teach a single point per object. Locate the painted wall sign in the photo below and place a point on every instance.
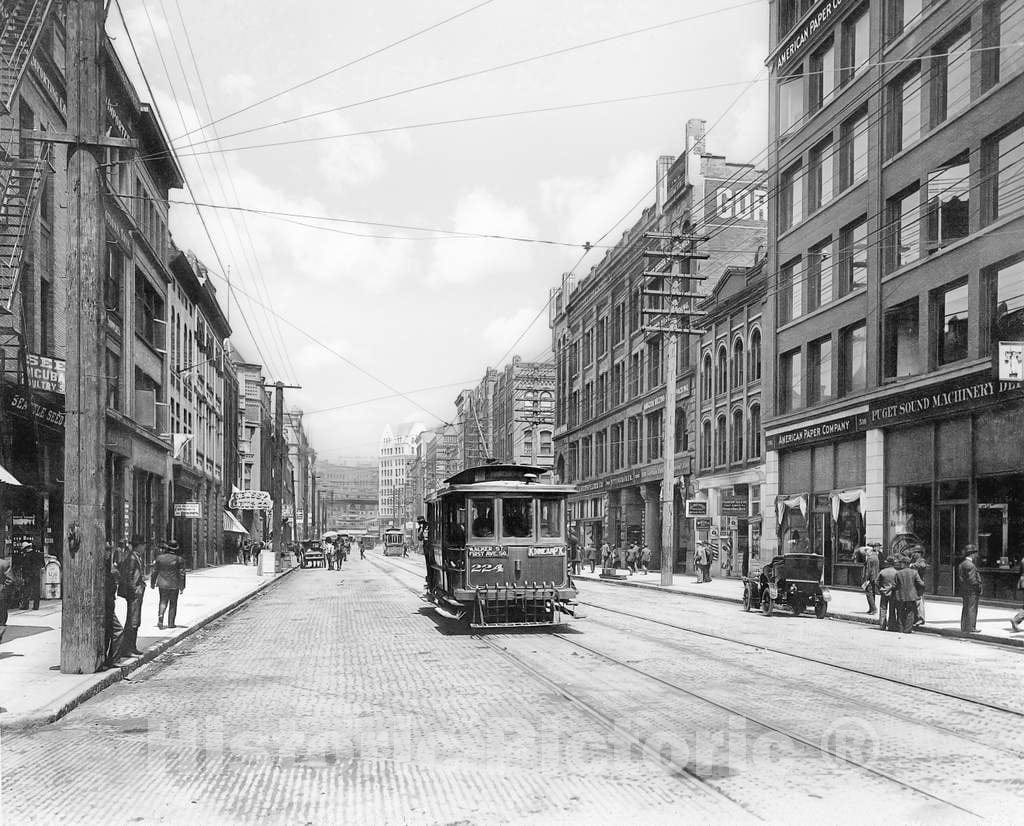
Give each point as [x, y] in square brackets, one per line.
[734, 505]
[696, 507]
[46, 413]
[189, 510]
[741, 202]
[45, 373]
[950, 397]
[804, 34]
[817, 433]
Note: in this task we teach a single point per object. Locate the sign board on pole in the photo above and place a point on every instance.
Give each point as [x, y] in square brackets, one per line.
[251, 500]
[696, 507]
[189, 510]
[733, 505]
[702, 523]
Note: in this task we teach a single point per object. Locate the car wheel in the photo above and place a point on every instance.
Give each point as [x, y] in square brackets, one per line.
[746, 598]
[821, 609]
[767, 606]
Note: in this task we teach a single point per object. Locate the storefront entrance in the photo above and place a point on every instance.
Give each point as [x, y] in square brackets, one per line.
[952, 533]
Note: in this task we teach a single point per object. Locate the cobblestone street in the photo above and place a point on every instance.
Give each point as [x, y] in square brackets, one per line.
[340, 697]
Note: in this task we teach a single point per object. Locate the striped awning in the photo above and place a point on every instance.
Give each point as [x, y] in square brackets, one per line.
[7, 478]
[232, 525]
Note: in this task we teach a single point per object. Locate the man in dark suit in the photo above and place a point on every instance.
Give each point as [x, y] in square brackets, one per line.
[909, 586]
[31, 569]
[968, 581]
[169, 576]
[132, 587]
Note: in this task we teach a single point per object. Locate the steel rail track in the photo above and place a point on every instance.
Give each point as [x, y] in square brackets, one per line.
[974, 701]
[888, 777]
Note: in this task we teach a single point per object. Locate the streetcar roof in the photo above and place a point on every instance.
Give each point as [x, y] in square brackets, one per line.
[508, 486]
[496, 472]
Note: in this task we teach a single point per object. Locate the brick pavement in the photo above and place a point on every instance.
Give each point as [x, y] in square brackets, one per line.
[33, 690]
[943, 615]
[337, 697]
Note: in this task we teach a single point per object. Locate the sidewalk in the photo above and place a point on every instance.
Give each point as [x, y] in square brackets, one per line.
[943, 617]
[32, 689]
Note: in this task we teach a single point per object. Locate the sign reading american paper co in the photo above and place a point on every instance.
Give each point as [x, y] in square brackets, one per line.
[816, 433]
[805, 34]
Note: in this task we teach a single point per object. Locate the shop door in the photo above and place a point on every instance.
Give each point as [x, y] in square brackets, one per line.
[822, 541]
[952, 537]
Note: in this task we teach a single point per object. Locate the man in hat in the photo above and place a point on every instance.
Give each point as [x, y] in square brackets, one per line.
[31, 569]
[969, 585]
[132, 587]
[868, 555]
[169, 576]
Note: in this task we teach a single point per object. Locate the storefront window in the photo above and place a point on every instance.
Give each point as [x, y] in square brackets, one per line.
[1001, 521]
[909, 519]
[849, 529]
[792, 514]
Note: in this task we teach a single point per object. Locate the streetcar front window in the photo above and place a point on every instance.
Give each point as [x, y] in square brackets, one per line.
[550, 518]
[481, 512]
[517, 518]
[455, 522]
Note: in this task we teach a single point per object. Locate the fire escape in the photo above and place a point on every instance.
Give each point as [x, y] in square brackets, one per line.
[23, 163]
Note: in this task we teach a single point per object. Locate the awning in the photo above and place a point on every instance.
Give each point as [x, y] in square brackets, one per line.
[329, 535]
[232, 525]
[7, 478]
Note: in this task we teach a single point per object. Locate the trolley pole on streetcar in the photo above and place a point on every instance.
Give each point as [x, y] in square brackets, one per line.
[667, 310]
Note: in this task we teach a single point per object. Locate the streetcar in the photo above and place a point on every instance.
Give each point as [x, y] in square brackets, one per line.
[394, 542]
[495, 548]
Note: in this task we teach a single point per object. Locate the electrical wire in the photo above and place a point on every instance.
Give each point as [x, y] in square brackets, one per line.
[335, 70]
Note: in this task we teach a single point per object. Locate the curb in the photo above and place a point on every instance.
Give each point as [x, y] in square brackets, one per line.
[74, 698]
[988, 639]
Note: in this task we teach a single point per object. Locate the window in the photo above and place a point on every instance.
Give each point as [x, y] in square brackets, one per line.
[902, 14]
[853, 257]
[516, 518]
[601, 400]
[618, 322]
[856, 37]
[588, 401]
[636, 299]
[791, 381]
[1003, 303]
[550, 512]
[1003, 170]
[722, 375]
[634, 440]
[113, 380]
[948, 201]
[602, 335]
[574, 408]
[899, 341]
[819, 274]
[823, 75]
[574, 358]
[149, 311]
[755, 356]
[736, 452]
[792, 196]
[705, 376]
[588, 347]
[619, 383]
[819, 371]
[681, 440]
[737, 363]
[821, 174]
[600, 452]
[705, 444]
[754, 431]
[904, 219]
[634, 376]
[791, 100]
[655, 435]
[574, 460]
[951, 78]
[853, 359]
[904, 111]
[586, 456]
[616, 445]
[113, 281]
[654, 363]
[1010, 59]
[853, 150]
[791, 294]
[720, 440]
[527, 444]
[949, 322]
[47, 331]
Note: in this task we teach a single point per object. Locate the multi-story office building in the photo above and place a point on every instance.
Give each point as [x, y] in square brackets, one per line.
[348, 493]
[473, 423]
[255, 442]
[301, 458]
[610, 377]
[727, 396]
[896, 260]
[397, 448]
[523, 410]
[198, 331]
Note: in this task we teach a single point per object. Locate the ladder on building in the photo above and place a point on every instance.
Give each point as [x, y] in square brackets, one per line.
[22, 23]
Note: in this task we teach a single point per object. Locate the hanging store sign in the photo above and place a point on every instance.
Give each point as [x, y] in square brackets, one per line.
[189, 510]
[696, 507]
[45, 412]
[251, 500]
[946, 398]
[702, 523]
[45, 373]
[1010, 361]
[816, 433]
[733, 506]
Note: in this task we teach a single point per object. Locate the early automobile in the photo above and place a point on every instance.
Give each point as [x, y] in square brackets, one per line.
[792, 580]
[313, 554]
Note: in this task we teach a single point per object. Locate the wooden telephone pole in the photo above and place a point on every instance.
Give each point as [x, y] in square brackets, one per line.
[667, 308]
[83, 638]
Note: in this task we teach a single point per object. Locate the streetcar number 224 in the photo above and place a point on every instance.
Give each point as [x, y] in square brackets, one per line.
[485, 567]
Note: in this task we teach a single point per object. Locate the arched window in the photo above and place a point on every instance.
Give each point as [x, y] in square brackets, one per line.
[681, 440]
[737, 363]
[705, 377]
[720, 440]
[736, 452]
[754, 357]
[754, 427]
[705, 443]
[527, 442]
[546, 401]
[722, 379]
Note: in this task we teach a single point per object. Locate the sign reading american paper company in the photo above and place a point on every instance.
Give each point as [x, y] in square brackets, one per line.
[822, 14]
[816, 433]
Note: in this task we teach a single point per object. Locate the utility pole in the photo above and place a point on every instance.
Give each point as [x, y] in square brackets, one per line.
[83, 637]
[312, 479]
[670, 312]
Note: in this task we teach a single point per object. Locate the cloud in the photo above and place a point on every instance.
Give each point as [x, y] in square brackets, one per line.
[239, 87]
[503, 331]
[469, 260]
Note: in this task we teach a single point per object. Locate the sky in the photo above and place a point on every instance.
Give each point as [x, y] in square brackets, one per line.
[355, 313]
